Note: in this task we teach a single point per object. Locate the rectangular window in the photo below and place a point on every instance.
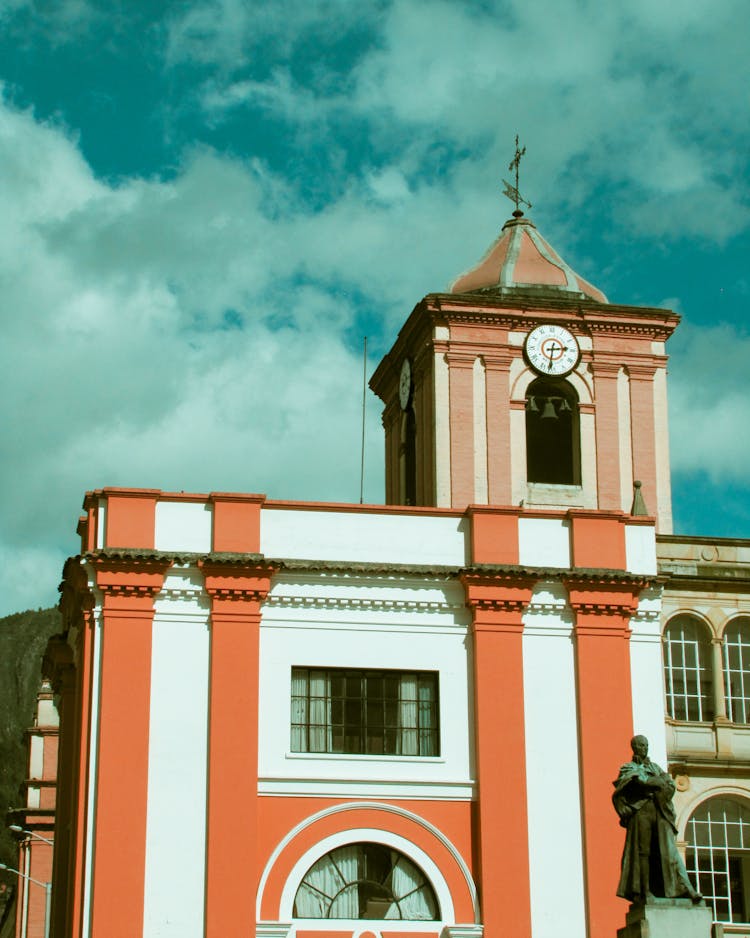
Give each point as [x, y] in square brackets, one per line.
[393, 713]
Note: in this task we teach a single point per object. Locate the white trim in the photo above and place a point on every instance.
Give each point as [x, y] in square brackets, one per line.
[367, 788]
[175, 852]
[26, 885]
[520, 384]
[370, 805]
[272, 929]
[462, 931]
[321, 625]
[364, 757]
[101, 523]
[508, 266]
[93, 744]
[366, 835]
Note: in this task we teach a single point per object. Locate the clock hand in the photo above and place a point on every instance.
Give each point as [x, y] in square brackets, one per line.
[551, 353]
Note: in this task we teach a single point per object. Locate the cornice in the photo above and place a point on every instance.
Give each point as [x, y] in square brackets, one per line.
[361, 604]
[602, 608]
[254, 564]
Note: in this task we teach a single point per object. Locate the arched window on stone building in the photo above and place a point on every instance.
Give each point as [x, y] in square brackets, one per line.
[553, 439]
[718, 856]
[687, 669]
[366, 881]
[737, 669]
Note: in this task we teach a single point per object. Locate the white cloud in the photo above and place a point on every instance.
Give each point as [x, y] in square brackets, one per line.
[231, 33]
[710, 403]
[202, 331]
[641, 98]
[162, 334]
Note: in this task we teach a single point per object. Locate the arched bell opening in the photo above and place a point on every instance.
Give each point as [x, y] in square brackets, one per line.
[553, 433]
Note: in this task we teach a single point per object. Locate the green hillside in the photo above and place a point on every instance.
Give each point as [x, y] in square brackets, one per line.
[23, 638]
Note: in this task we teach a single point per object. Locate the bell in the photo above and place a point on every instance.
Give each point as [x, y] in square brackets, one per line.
[531, 404]
[549, 410]
[564, 405]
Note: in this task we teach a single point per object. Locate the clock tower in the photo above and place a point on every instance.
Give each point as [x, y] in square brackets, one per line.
[523, 385]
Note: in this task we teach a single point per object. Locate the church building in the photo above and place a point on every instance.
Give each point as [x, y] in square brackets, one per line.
[291, 719]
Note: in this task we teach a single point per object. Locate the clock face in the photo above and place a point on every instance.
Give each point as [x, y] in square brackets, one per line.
[404, 385]
[552, 350]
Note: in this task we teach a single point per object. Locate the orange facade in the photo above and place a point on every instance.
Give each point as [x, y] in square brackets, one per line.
[206, 637]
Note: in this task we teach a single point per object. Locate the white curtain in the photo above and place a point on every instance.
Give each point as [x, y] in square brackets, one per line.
[408, 717]
[426, 735]
[299, 711]
[414, 902]
[347, 902]
[320, 712]
[326, 882]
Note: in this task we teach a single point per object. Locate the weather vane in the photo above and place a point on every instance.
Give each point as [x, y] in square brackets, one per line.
[512, 191]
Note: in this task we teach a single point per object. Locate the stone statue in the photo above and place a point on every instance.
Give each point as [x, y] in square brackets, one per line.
[651, 864]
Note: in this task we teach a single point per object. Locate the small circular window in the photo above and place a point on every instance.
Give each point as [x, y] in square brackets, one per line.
[365, 881]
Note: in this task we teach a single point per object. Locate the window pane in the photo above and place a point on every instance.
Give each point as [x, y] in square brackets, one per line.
[716, 859]
[369, 712]
[366, 881]
[687, 670]
[737, 670]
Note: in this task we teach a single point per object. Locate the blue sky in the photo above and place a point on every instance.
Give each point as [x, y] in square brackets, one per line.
[207, 204]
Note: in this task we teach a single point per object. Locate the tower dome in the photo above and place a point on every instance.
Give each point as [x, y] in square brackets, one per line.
[522, 261]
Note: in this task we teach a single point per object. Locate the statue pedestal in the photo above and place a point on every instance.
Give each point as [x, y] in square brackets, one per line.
[669, 918]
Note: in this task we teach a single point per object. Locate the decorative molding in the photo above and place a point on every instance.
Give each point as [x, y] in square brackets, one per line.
[373, 806]
[181, 592]
[462, 931]
[605, 369]
[139, 590]
[333, 788]
[552, 607]
[645, 367]
[499, 604]
[497, 361]
[237, 580]
[132, 576]
[460, 358]
[360, 604]
[602, 608]
[272, 929]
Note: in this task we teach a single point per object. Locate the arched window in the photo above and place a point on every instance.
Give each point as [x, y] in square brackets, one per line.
[718, 856]
[553, 444]
[366, 881]
[687, 670]
[737, 670]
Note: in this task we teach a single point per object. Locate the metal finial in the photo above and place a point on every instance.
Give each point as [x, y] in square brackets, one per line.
[512, 191]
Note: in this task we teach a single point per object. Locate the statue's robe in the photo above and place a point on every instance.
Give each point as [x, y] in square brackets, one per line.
[668, 875]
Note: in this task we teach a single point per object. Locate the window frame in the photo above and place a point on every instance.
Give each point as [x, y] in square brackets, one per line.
[715, 862]
[340, 880]
[688, 701]
[364, 724]
[737, 704]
